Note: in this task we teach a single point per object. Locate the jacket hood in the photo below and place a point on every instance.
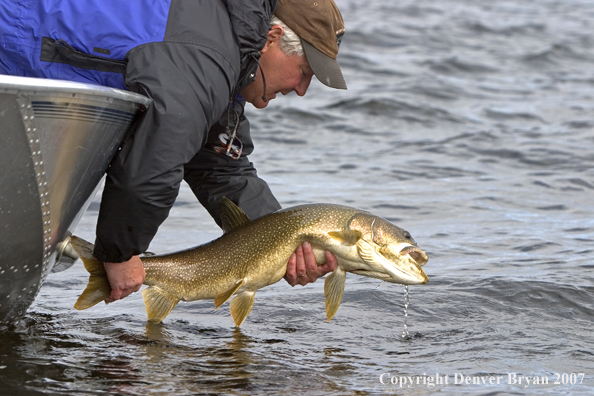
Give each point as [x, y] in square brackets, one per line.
[251, 22]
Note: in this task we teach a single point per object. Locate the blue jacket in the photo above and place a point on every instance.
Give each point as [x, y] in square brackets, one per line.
[39, 36]
[191, 57]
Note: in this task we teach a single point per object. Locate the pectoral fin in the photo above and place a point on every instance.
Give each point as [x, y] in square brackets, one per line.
[369, 256]
[333, 290]
[241, 306]
[346, 237]
[224, 296]
[158, 302]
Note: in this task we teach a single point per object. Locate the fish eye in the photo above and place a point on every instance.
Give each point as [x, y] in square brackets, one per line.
[408, 237]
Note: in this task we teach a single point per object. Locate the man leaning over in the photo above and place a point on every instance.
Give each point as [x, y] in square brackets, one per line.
[199, 61]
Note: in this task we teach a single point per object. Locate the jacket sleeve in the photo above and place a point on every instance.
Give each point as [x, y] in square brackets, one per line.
[189, 86]
[212, 175]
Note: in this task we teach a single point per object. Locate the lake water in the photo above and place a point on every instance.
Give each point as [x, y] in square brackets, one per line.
[468, 123]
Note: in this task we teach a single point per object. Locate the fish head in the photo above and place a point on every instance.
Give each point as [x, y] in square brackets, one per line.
[385, 251]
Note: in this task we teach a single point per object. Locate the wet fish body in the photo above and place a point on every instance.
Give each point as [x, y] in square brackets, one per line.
[253, 254]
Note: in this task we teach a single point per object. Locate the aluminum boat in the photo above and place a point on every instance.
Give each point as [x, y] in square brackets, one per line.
[57, 139]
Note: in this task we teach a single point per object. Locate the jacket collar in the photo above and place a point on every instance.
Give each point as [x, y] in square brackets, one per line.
[251, 22]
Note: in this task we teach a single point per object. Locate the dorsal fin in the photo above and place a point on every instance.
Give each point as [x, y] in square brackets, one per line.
[232, 216]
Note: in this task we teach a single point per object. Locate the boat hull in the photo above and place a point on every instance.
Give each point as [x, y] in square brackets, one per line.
[57, 139]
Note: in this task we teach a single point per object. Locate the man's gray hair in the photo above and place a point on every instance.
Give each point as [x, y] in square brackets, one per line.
[290, 41]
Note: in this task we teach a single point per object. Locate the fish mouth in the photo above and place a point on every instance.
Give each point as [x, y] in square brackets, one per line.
[407, 269]
[373, 274]
[417, 255]
[403, 267]
[403, 278]
[413, 276]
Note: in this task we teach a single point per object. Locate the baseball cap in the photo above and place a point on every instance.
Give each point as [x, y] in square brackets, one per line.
[320, 26]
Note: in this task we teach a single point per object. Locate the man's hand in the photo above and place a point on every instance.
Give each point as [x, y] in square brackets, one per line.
[303, 269]
[124, 278]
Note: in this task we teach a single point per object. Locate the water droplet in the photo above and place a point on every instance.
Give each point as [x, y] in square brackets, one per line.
[405, 334]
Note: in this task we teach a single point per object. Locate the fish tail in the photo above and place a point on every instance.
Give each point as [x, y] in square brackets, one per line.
[98, 288]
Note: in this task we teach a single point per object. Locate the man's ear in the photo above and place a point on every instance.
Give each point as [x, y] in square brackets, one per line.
[274, 35]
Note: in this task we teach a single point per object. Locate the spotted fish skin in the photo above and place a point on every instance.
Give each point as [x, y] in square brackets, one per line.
[251, 255]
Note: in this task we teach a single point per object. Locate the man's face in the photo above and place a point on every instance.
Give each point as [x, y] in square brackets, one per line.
[283, 73]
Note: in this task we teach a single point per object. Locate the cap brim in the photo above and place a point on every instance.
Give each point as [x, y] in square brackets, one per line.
[325, 68]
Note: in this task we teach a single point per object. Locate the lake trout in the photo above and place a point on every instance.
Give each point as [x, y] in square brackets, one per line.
[253, 254]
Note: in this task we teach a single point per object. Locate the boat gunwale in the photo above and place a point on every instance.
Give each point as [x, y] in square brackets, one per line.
[44, 85]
